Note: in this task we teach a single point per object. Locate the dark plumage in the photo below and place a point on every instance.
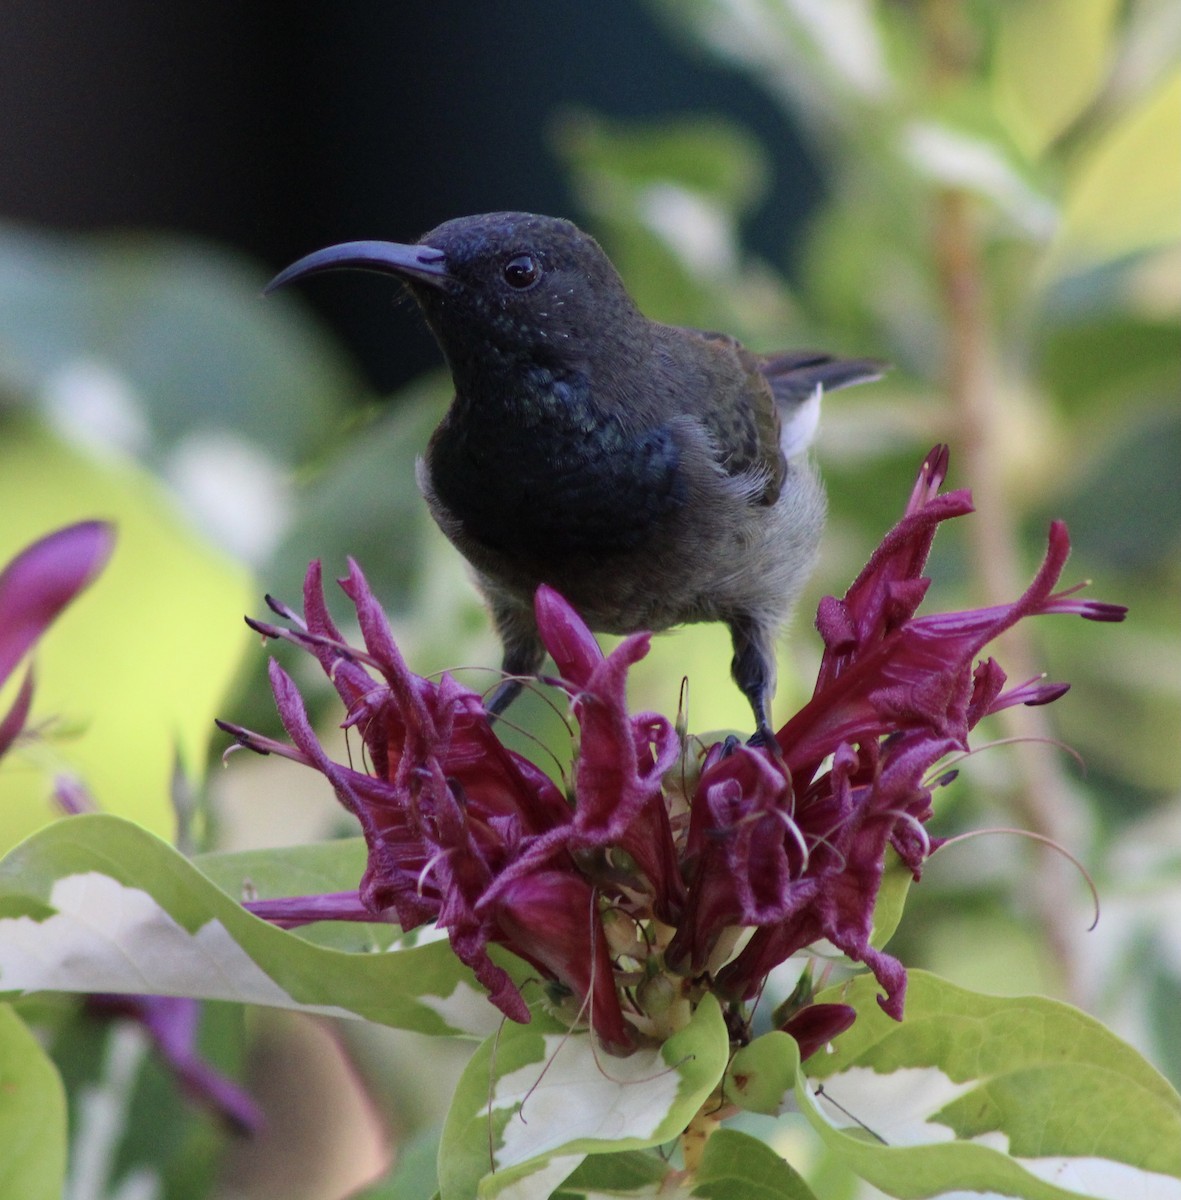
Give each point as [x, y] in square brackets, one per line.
[653, 475]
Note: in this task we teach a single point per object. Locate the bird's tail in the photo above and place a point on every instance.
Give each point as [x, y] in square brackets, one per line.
[798, 381]
[794, 377]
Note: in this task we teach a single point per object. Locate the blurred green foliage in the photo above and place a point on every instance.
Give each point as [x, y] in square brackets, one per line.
[1002, 222]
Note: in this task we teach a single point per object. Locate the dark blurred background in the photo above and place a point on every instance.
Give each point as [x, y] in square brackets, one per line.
[280, 128]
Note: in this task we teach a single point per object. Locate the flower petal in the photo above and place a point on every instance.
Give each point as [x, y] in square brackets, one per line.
[551, 919]
[42, 579]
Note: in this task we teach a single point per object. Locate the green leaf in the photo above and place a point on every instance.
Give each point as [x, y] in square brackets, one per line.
[1123, 504]
[414, 1173]
[1111, 366]
[1051, 56]
[32, 1115]
[959, 154]
[1021, 1096]
[181, 331]
[736, 1166]
[291, 871]
[535, 1099]
[667, 198]
[130, 914]
[711, 157]
[819, 56]
[318, 868]
[1124, 195]
[631, 1172]
[887, 909]
[761, 1075]
[362, 492]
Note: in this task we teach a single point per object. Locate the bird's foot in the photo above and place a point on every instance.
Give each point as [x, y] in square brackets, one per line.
[506, 692]
[765, 736]
[729, 746]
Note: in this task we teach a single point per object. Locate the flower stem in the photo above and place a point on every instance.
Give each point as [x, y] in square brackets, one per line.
[693, 1140]
[1040, 795]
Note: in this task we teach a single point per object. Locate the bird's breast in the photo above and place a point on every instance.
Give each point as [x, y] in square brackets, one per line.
[552, 478]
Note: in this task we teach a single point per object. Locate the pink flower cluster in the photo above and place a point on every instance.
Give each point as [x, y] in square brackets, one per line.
[631, 895]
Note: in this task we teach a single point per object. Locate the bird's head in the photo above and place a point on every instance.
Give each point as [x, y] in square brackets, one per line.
[501, 287]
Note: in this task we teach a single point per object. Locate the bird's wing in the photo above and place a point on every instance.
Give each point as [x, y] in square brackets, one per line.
[739, 413]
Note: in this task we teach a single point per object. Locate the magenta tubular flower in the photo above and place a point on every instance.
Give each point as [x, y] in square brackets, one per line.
[815, 1025]
[632, 895]
[895, 693]
[35, 587]
[461, 831]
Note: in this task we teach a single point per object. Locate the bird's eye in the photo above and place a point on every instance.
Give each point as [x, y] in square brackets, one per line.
[522, 272]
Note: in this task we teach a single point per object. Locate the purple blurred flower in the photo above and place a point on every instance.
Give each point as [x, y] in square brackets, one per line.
[633, 895]
[171, 1024]
[35, 587]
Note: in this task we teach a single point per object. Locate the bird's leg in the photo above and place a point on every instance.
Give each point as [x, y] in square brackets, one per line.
[753, 668]
[523, 651]
[503, 696]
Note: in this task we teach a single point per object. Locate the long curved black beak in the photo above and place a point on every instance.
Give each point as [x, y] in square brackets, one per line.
[423, 263]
